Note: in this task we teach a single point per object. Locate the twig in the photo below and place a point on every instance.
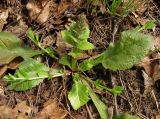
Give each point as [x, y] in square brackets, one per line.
[125, 91]
[37, 97]
[89, 112]
[154, 97]
[115, 30]
[110, 112]
[115, 96]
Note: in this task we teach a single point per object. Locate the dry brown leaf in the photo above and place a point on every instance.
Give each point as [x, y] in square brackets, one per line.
[62, 7]
[156, 42]
[21, 111]
[51, 110]
[3, 18]
[6, 113]
[148, 82]
[156, 74]
[18, 29]
[146, 64]
[140, 5]
[39, 10]
[48, 41]
[142, 21]
[156, 69]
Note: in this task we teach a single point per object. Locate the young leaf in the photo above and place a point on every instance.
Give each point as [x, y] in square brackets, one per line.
[86, 65]
[90, 63]
[78, 96]
[149, 25]
[131, 49]
[77, 35]
[125, 116]
[32, 37]
[68, 37]
[75, 53]
[50, 52]
[80, 30]
[65, 60]
[29, 74]
[12, 47]
[85, 45]
[101, 107]
[116, 90]
[35, 39]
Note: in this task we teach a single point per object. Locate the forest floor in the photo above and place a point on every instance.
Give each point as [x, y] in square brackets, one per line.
[141, 84]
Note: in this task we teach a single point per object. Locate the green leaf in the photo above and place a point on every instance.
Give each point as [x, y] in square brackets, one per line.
[35, 39]
[80, 29]
[29, 74]
[116, 90]
[68, 37]
[131, 49]
[12, 47]
[90, 63]
[149, 25]
[65, 60]
[86, 65]
[31, 35]
[50, 52]
[125, 116]
[75, 53]
[98, 85]
[78, 96]
[85, 45]
[77, 35]
[101, 107]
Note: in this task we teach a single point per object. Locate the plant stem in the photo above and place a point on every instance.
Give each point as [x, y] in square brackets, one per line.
[43, 77]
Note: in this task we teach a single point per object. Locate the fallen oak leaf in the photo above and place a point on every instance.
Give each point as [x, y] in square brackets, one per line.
[18, 29]
[22, 110]
[148, 82]
[156, 69]
[6, 112]
[51, 110]
[39, 10]
[146, 64]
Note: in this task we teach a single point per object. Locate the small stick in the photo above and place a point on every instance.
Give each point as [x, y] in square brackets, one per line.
[115, 30]
[115, 96]
[89, 112]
